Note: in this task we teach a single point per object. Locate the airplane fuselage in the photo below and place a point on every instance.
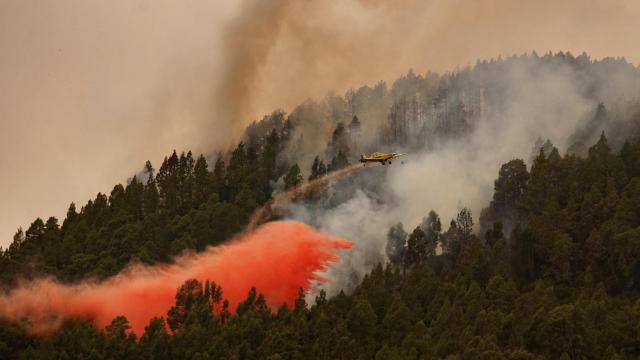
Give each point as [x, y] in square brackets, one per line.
[382, 158]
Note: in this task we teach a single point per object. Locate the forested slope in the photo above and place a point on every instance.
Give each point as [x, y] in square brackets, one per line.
[564, 284]
[551, 272]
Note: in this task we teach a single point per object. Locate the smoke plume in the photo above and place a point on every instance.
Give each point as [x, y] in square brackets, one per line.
[133, 80]
[539, 101]
[251, 36]
[278, 259]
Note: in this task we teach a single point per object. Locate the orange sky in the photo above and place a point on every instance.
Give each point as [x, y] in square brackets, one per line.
[89, 90]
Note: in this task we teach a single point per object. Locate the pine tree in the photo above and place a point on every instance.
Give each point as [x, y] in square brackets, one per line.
[338, 162]
[354, 125]
[151, 196]
[432, 228]
[269, 155]
[508, 191]
[339, 141]
[185, 182]
[416, 248]
[464, 223]
[318, 169]
[237, 171]
[293, 177]
[72, 216]
[202, 181]
[315, 172]
[167, 180]
[396, 244]
[219, 176]
[134, 198]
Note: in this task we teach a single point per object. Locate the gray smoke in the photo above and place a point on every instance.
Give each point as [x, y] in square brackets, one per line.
[548, 102]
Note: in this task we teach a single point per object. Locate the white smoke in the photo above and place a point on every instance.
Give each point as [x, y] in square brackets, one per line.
[546, 104]
[363, 221]
[457, 174]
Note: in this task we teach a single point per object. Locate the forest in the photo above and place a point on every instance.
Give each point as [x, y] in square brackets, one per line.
[548, 269]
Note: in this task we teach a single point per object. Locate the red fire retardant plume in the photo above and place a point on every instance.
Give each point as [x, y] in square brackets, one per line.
[278, 259]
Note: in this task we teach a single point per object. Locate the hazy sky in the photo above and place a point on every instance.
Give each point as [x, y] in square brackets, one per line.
[89, 90]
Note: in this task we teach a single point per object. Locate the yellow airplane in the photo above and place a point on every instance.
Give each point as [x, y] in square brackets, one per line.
[382, 158]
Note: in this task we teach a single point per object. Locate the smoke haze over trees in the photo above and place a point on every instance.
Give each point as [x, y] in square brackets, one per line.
[120, 82]
[476, 246]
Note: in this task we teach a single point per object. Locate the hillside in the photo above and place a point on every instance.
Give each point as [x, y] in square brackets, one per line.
[549, 270]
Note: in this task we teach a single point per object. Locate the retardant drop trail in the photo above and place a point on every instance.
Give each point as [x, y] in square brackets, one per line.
[278, 258]
[281, 201]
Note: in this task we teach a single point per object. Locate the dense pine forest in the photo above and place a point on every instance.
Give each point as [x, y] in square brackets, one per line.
[549, 270]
